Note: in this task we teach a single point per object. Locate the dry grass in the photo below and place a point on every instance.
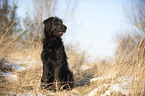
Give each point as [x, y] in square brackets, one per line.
[107, 75]
[114, 71]
[124, 68]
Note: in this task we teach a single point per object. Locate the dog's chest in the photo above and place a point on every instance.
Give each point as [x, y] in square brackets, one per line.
[54, 49]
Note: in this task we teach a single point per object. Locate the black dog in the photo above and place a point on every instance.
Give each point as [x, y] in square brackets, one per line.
[56, 74]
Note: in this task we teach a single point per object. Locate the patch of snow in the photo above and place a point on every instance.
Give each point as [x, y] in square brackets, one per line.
[125, 78]
[18, 68]
[15, 66]
[21, 68]
[85, 67]
[10, 76]
[122, 87]
[28, 61]
[116, 88]
[106, 93]
[92, 93]
[95, 79]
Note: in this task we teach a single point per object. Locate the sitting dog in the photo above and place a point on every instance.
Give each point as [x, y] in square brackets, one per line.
[56, 73]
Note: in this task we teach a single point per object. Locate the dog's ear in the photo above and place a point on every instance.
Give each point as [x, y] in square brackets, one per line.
[48, 20]
[44, 22]
[47, 24]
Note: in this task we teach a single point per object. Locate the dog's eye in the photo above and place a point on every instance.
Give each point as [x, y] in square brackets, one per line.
[57, 22]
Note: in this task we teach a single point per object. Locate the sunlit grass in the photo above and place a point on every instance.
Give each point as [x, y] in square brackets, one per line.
[117, 70]
[122, 75]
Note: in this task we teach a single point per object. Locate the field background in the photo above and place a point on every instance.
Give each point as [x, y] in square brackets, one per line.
[21, 66]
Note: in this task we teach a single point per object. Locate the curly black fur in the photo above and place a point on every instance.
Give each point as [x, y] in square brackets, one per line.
[56, 74]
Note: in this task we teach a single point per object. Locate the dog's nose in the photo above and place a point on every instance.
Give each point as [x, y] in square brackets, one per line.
[64, 27]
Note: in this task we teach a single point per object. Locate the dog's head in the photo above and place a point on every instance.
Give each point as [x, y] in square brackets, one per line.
[54, 26]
